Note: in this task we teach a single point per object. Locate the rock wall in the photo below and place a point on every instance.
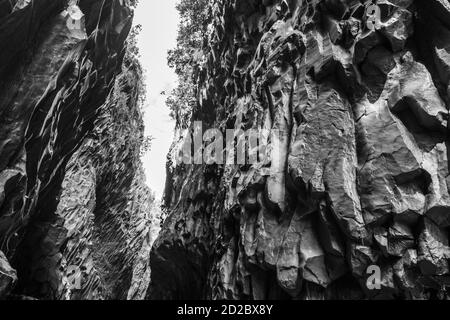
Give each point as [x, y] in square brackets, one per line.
[363, 116]
[74, 209]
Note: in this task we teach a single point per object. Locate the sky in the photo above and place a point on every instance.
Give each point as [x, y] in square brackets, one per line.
[159, 20]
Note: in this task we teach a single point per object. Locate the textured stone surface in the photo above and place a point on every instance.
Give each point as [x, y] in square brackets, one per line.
[8, 276]
[364, 122]
[72, 190]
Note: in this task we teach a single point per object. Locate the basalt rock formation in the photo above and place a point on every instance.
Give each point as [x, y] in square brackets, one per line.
[363, 116]
[74, 209]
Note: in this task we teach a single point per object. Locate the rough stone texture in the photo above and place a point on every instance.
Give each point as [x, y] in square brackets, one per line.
[364, 156]
[72, 188]
[8, 276]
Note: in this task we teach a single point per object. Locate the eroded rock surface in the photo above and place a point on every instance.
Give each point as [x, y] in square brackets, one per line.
[8, 276]
[75, 213]
[364, 163]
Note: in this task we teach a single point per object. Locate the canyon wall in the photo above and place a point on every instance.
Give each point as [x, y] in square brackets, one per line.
[75, 213]
[362, 178]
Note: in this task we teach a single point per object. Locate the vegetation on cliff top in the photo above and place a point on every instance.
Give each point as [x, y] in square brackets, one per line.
[185, 57]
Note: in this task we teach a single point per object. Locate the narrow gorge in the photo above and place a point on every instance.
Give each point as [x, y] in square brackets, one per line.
[361, 178]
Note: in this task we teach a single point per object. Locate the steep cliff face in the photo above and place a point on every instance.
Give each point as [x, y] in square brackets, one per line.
[74, 210]
[363, 117]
